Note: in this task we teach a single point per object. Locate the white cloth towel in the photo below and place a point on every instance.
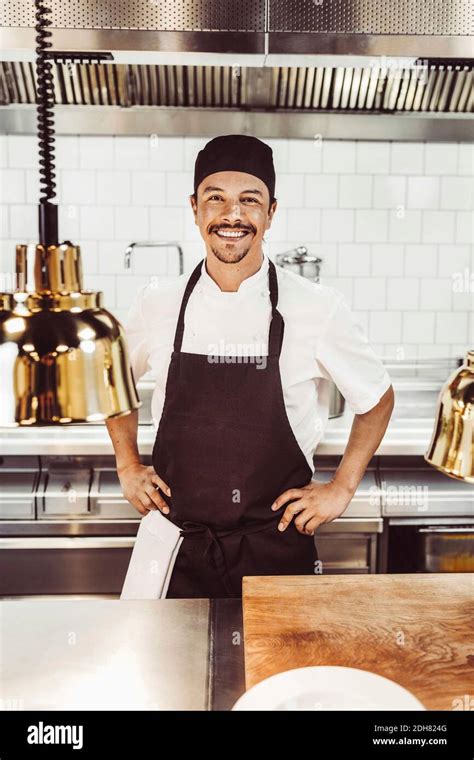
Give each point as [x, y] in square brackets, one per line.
[153, 557]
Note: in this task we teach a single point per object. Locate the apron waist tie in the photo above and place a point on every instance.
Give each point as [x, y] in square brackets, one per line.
[194, 529]
[199, 529]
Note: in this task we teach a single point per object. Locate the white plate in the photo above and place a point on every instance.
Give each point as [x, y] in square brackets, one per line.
[327, 688]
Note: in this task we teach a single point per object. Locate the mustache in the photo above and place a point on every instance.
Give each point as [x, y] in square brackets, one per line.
[217, 227]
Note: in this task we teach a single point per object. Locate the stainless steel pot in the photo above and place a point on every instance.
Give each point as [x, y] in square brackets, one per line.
[337, 402]
[300, 261]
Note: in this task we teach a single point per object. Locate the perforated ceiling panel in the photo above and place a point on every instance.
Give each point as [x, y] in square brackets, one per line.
[443, 17]
[413, 17]
[170, 15]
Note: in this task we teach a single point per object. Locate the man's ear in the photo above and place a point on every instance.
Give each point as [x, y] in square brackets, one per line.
[193, 203]
[271, 212]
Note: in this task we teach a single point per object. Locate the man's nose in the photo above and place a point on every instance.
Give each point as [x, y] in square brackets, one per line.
[233, 211]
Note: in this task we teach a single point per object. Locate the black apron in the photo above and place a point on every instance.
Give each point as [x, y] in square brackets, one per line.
[226, 449]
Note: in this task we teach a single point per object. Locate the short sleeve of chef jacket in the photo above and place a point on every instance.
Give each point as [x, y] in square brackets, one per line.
[136, 336]
[345, 355]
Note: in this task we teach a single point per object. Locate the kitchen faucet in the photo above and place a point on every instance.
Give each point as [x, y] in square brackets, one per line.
[151, 244]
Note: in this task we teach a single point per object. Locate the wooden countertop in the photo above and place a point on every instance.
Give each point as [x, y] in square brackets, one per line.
[417, 630]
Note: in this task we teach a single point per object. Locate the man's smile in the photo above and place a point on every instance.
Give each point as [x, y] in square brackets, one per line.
[237, 234]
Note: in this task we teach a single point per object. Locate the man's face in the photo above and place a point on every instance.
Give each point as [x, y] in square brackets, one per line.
[232, 213]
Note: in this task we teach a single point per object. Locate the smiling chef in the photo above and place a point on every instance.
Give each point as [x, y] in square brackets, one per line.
[243, 352]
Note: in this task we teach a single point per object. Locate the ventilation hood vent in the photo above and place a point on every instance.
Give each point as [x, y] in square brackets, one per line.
[443, 88]
[375, 69]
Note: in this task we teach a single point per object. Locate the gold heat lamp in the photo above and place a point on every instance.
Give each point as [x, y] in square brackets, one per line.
[452, 445]
[63, 357]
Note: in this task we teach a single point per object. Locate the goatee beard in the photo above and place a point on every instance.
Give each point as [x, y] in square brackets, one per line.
[230, 258]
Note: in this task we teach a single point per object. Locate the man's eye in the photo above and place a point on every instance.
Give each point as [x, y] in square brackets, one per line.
[252, 200]
[214, 197]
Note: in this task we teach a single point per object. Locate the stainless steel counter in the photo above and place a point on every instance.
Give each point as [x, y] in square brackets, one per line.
[408, 434]
[97, 655]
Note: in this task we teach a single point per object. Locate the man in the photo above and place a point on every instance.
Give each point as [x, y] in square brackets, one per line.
[242, 353]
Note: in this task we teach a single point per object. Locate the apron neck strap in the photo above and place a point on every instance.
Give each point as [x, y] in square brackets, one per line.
[277, 325]
[178, 338]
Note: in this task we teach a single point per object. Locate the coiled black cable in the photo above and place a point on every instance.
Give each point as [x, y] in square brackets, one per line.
[48, 212]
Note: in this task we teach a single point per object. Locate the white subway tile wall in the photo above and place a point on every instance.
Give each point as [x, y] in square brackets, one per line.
[393, 223]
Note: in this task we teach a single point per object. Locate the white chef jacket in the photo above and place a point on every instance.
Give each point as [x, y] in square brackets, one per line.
[321, 341]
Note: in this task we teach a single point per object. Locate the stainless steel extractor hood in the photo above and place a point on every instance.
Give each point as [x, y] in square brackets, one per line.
[376, 69]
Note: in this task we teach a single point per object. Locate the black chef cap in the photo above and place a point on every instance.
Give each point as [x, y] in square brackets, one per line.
[238, 153]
